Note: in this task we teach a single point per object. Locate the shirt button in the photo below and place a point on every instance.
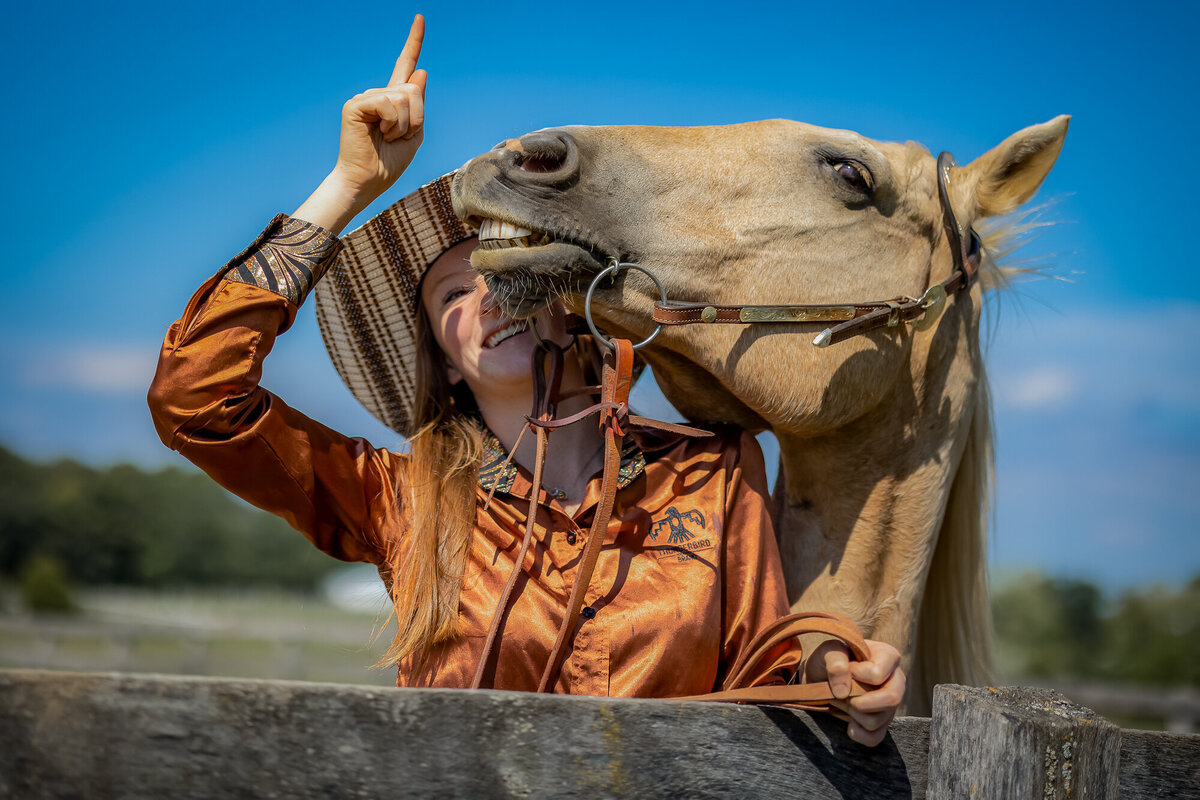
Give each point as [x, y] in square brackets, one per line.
[588, 612]
[571, 537]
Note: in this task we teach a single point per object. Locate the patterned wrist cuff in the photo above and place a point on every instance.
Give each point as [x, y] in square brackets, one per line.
[288, 258]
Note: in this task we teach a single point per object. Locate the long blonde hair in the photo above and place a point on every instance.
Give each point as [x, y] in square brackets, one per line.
[443, 468]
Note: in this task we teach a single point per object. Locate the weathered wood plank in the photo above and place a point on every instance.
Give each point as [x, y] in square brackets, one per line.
[1020, 742]
[68, 735]
[1159, 765]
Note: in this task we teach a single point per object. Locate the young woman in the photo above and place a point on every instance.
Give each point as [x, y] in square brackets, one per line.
[689, 571]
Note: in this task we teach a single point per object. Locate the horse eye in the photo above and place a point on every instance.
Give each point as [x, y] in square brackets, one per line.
[853, 175]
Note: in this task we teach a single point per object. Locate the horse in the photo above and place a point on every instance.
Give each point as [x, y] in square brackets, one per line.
[885, 438]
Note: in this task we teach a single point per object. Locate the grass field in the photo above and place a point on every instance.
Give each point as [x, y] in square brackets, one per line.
[249, 635]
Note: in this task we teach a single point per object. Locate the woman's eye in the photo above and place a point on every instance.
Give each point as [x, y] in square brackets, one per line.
[854, 176]
[457, 292]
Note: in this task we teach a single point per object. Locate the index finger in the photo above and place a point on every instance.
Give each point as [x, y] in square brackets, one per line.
[407, 62]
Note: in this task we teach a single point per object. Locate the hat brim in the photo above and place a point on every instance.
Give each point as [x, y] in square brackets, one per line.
[367, 300]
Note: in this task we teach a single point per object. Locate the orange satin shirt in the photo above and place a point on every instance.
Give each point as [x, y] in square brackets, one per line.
[688, 573]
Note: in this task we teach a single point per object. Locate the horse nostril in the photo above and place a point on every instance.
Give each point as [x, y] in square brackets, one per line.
[542, 152]
[541, 162]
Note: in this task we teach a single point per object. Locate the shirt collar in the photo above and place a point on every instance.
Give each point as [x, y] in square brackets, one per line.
[496, 470]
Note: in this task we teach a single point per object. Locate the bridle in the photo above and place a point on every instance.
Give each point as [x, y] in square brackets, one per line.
[742, 685]
[852, 318]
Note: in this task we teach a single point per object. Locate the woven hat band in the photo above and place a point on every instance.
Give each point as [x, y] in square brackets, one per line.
[367, 301]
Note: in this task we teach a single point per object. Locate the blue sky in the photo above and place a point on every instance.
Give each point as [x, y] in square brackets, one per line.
[147, 142]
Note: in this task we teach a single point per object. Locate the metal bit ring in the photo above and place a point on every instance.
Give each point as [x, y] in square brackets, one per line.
[587, 303]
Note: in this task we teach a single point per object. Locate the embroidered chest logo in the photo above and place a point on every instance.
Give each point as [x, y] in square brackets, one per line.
[682, 531]
[674, 523]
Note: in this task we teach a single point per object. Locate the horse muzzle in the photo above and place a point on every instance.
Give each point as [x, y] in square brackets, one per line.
[534, 242]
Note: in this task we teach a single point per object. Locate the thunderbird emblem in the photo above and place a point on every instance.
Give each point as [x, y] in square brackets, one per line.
[674, 523]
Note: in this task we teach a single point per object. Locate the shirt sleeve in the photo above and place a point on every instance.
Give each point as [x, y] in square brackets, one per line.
[754, 589]
[206, 402]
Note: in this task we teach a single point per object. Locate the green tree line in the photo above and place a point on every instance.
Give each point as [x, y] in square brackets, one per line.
[128, 526]
[1060, 628]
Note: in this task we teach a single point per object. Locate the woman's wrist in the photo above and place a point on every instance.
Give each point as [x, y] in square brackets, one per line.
[333, 204]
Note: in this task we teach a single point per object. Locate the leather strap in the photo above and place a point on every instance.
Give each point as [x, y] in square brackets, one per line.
[966, 254]
[546, 380]
[501, 614]
[851, 318]
[753, 665]
[618, 378]
[805, 696]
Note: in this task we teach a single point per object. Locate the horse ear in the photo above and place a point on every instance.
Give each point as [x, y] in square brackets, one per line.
[1006, 176]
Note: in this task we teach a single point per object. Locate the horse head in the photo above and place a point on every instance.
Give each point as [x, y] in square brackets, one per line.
[772, 212]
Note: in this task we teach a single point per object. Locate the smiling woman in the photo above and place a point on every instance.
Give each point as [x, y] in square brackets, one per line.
[688, 572]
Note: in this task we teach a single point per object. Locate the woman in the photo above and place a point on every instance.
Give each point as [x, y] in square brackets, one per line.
[689, 570]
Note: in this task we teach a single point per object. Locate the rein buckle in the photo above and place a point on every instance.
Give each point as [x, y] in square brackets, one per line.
[933, 302]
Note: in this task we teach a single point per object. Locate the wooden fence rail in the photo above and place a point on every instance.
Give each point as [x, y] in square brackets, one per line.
[101, 735]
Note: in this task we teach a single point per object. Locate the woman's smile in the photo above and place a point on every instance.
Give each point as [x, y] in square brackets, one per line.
[497, 337]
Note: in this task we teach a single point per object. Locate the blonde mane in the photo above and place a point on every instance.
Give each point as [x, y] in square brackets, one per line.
[954, 627]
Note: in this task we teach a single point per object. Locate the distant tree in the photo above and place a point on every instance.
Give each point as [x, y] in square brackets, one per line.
[124, 525]
[1048, 627]
[1154, 636]
[1055, 624]
[44, 586]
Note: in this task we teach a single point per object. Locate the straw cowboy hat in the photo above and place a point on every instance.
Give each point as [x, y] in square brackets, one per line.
[367, 301]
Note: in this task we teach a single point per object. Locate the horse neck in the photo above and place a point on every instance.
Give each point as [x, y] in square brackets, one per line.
[862, 504]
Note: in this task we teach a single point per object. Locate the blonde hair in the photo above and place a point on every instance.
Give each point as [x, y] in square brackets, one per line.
[443, 469]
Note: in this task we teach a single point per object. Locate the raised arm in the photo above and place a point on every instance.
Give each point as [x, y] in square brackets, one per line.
[205, 398]
[381, 131]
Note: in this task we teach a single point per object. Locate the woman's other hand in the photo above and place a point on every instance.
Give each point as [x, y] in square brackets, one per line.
[869, 714]
[381, 131]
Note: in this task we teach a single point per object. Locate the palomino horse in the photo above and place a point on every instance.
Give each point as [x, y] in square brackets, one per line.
[885, 438]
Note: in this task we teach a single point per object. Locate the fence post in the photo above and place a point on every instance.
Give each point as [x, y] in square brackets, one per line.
[1019, 742]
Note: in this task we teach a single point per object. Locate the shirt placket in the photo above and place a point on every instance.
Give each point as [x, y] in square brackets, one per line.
[586, 667]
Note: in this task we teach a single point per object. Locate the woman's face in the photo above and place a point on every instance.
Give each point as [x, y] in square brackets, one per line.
[492, 353]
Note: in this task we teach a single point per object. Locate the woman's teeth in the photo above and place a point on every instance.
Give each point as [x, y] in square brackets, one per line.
[505, 333]
[496, 235]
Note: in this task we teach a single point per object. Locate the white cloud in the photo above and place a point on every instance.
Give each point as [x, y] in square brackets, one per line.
[1100, 358]
[1039, 388]
[106, 369]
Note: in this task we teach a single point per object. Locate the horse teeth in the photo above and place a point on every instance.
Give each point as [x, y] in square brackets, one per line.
[493, 229]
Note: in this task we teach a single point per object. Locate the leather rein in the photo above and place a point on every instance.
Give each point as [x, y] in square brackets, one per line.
[853, 318]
